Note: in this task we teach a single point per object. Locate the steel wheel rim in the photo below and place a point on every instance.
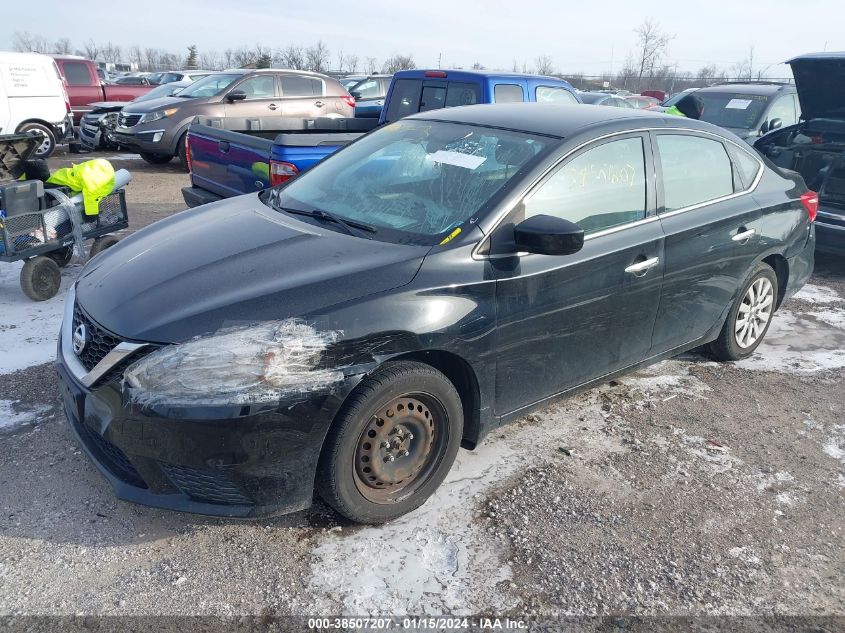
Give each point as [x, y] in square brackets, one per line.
[411, 429]
[754, 313]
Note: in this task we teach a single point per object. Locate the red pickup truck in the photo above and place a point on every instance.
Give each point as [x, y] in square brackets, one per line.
[84, 86]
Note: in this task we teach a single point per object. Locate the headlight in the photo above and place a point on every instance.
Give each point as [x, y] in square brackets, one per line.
[241, 365]
[158, 114]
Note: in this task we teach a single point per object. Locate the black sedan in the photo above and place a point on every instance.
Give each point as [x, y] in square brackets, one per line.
[437, 278]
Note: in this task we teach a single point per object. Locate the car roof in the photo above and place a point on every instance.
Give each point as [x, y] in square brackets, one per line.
[481, 74]
[750, 88]
[558, 120]
[818, 56]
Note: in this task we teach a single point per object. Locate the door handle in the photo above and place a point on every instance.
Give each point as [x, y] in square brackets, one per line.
[643, 266]
[319, 104]
[273, 106]
[744, 235]
[223, 146]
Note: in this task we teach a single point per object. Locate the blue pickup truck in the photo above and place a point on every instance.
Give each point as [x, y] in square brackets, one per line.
[229, 157]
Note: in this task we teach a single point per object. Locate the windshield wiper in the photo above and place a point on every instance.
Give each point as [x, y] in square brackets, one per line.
[348, 225]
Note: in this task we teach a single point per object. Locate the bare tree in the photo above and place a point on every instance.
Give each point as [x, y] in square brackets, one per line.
[63, 46]
[478, 66]
[151, 57]
[25, 42]
[92, 51]
[292, 57]
[135, 56]
[544, 65]
[371, 66]
[515, 67]
[398, 62]
[341, 60]
[112, 53]
[352, 63]
[651, 48]
[317, 57]
[625, 78]
[243, 57]
[210, 60]
[228, 57]
[745, 68]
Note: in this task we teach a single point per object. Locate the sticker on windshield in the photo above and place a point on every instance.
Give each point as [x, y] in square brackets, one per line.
[738, 104]
[467, 161]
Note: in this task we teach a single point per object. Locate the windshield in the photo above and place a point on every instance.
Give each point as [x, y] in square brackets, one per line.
[210, 85]
[731, 109]
[414, 181]
[165, 90]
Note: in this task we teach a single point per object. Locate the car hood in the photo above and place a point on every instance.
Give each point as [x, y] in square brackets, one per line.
[820, 80]
[142, 107]
[108, 106]
[230, 262]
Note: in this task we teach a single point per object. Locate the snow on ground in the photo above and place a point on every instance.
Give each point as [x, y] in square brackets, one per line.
[404, 566]
[28, 329]
[10, 419]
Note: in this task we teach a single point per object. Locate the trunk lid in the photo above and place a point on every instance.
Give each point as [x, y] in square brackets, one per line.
[820, 80]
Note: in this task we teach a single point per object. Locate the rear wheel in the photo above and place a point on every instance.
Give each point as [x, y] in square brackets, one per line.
[48, 138]
[40, 278]
[181, 153]
[749, 318]
[102, 243]
[392, 444]
[156, 159]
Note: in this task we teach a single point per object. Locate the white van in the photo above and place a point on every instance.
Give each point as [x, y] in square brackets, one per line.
[33, 97]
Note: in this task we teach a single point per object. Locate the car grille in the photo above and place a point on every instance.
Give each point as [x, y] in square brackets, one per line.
[210, 486]
[128, 120]
[109, 455]
[100, 342]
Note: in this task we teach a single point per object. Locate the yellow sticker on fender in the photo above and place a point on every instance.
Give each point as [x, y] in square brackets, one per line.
[451, 236]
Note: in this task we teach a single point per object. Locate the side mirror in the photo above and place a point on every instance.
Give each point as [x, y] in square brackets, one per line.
[775, 124]
[236, 95]
[356, 95]
[548, 235]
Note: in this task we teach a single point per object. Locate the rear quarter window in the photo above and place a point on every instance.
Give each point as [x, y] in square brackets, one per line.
[507, 93]
[552, 94]
[77, 74]
[296, 86]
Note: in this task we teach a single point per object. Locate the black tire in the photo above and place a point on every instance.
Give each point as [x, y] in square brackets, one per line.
[727, 347]
[156, 159]
[378, 409]
[180, 152]
[48, 145]
[102, 243]
[40, 278]
[62, 256]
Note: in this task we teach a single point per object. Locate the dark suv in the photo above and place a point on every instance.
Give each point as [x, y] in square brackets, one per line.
[156, 128]
[752, 109]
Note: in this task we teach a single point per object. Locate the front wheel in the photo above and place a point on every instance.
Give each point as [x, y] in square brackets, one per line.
[749, 318]
[392, 444]
[40, 278]
[156, 159]
[48, 138]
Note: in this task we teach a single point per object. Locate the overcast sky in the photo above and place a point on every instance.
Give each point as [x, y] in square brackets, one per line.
[587, 36]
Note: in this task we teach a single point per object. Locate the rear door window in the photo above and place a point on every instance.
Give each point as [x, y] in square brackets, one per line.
[508, 93]
[259, 87]
[550, 94]
[77, 74]
[299, 86]
[695, 170]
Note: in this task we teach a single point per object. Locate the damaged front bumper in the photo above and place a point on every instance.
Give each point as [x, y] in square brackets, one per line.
[231, 460]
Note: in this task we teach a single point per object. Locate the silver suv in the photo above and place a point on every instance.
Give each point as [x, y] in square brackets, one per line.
[156, 128]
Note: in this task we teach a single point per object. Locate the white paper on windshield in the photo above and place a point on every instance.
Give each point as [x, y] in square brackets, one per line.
[467, 161]
[738, 104]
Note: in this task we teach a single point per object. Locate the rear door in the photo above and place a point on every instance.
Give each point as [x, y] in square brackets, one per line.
[262, 97]
[713, 235]
[303, 96]
[565, 320]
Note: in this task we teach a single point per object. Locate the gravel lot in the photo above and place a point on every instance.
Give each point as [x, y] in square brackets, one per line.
[687, 488]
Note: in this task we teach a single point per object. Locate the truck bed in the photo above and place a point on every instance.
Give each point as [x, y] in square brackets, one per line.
[232, 156]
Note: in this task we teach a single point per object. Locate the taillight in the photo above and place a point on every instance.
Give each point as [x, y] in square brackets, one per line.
[349, 100]
[810, 200]
[281, 172]
[436, 73]
[188, 152]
